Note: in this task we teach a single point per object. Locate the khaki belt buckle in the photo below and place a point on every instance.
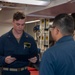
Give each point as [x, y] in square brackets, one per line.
[14, 69]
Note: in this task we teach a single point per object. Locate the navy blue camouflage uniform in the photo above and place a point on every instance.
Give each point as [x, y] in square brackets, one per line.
[60, 58]
[9, 46]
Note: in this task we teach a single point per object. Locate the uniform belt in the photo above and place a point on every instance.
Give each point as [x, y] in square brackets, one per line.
[14, 69]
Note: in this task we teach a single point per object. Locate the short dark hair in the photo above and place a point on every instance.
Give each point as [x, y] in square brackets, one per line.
[65, 23]
[18, 15]
[73, 15]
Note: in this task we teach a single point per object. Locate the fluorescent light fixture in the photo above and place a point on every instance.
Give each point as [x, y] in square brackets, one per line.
[0, 8]
[32, 2]
[42, 16]
[32, 21]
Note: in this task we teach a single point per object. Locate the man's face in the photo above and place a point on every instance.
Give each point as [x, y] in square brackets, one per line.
[18, 25]
[52, 29]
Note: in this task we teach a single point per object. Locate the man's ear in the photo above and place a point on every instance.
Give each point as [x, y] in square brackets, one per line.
[56, 30]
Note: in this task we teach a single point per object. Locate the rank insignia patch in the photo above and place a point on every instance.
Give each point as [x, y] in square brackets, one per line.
[27, 44]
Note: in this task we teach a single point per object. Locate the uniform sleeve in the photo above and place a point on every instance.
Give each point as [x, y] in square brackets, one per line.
[2, 58]
[46, 66]
[33, 49]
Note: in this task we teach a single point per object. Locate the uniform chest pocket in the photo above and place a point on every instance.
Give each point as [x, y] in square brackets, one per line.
[8, 50]
[26, 50]
[27, 46]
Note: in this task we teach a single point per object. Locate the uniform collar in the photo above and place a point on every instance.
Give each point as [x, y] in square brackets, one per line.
[25, 35]
[65, 38]
[10, 33]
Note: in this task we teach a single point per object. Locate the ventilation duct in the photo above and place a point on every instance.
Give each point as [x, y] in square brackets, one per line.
[29, 2]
